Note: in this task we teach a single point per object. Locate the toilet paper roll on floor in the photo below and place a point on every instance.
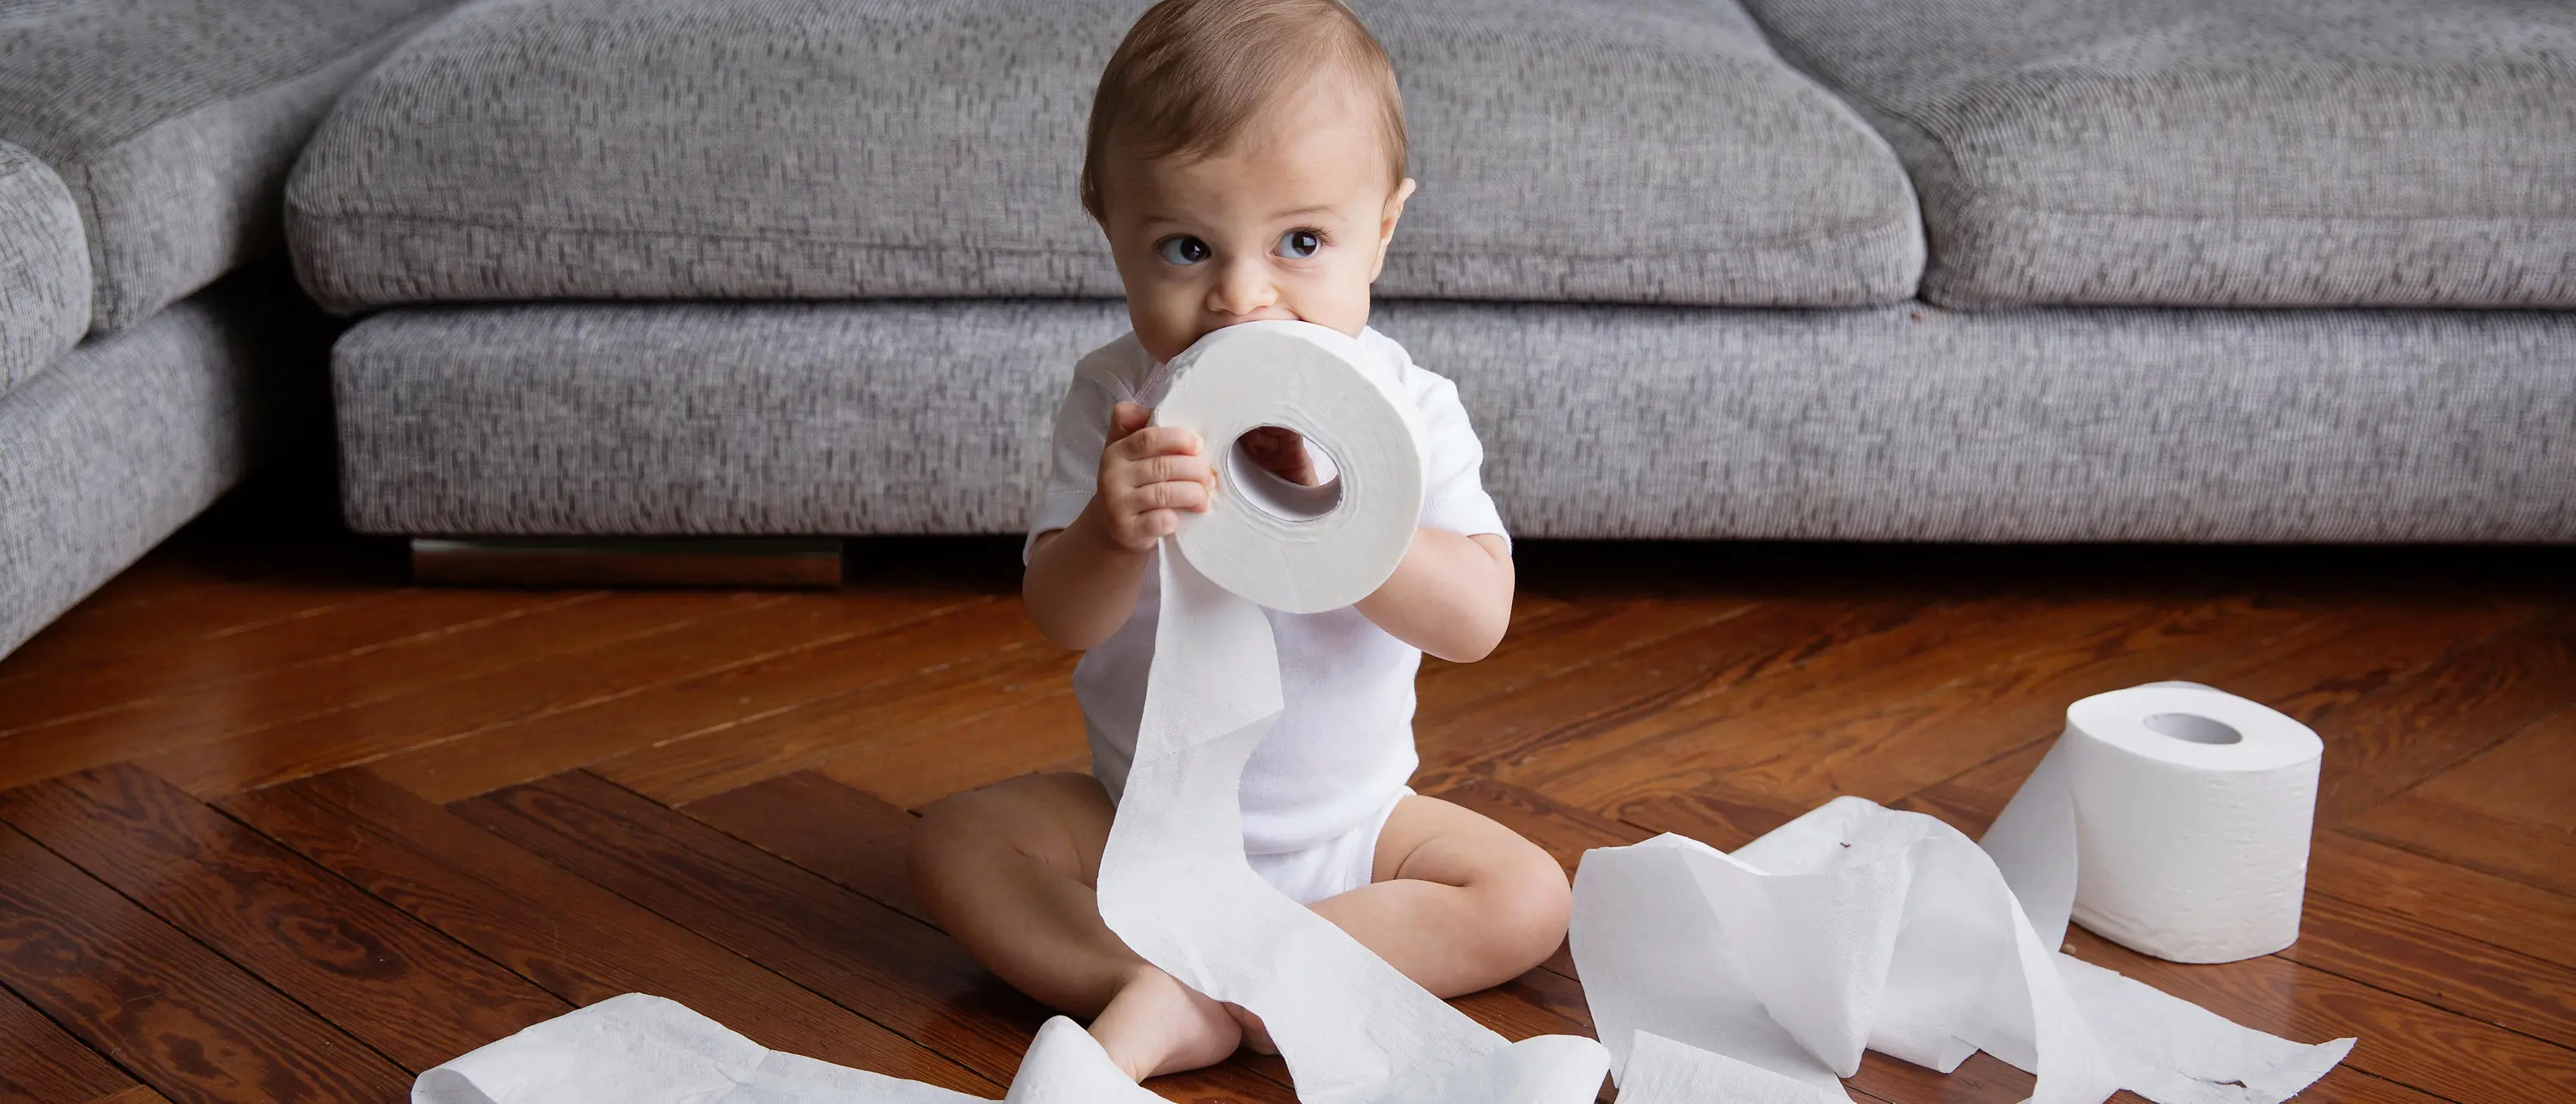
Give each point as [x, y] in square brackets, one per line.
[2171, 818]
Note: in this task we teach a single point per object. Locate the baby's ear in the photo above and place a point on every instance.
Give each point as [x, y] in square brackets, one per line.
[1393, 211]
[1387, 218]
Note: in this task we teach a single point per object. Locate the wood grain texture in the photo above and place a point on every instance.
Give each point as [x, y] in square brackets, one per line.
[571, 937]
[341, 683]
[39, 1064]
[347, 627]
[2524, 779]
[414, 995]
[948, 685]
[2402, 1040]
[846, 643]
[845, 835]
[188, 1023]
[2470, 838]
[705, 636]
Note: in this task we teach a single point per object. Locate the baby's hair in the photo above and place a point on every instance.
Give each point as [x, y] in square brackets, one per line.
[1191, 74]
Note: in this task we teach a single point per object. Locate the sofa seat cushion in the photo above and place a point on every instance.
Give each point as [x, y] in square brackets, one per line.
[2209, 152]
[1892, 423]
[174, 122]
[44, 268]
[1632, 150]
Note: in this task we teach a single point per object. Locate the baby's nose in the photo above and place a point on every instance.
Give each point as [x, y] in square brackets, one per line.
[1242, 289]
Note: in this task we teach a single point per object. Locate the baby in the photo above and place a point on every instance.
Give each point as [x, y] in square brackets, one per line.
[1246, 161]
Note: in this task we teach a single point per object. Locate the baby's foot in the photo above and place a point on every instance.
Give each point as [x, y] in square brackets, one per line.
[1255, 1035]
[1156, 1025]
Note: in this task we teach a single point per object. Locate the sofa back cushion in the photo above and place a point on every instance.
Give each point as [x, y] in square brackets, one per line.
[174, 122]
[2221, 152]
[44, 268]
[1632, 150]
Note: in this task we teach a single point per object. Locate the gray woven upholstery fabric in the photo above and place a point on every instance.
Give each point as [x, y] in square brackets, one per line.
[44, 268]
[2221, 152]
[819, 149]
[1906, 422]
[130, 435]
[175, 122]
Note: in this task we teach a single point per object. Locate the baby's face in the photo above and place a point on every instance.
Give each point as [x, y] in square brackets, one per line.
[1292, 222]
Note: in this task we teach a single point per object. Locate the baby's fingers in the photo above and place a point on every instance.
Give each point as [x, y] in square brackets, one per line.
[1157, 441]
[1171, 494]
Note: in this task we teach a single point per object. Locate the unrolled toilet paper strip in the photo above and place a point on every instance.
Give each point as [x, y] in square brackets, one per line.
[1173, 881]
[639, 1049]
[2171, 818]
[1762, 975]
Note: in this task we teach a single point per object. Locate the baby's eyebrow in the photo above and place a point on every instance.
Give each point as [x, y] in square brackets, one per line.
[1317, 209]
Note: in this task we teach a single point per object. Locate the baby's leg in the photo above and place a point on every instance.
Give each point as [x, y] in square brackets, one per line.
[1009, 871]
[1460, 903]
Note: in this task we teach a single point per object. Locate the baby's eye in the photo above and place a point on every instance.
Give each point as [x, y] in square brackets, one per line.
[1182, 249]
[1300, 244]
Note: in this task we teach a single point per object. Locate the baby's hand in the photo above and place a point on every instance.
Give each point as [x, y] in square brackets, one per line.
[1283, 452]
[1148, 474]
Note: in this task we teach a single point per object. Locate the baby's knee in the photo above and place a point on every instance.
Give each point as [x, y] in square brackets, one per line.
[1043, 819]
[1527, 905]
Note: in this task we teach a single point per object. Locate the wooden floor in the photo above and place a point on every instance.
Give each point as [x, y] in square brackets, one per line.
[275, 826]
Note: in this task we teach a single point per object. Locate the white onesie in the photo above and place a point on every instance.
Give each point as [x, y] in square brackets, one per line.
[1322, 783]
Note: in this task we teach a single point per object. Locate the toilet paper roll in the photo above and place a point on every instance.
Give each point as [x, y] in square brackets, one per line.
[1272, 542]
[2171, 818]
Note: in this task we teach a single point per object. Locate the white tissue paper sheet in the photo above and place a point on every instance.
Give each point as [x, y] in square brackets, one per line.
[1761, 975]
[1173, 883]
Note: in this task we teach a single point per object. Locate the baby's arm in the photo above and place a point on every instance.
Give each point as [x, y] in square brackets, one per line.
[1082, 579]
[1451, 595]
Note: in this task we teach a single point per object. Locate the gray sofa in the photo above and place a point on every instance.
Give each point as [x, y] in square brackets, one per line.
[143, 148]
[1880, 269]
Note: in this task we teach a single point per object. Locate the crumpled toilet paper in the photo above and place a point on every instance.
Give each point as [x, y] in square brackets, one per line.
[1763, 974]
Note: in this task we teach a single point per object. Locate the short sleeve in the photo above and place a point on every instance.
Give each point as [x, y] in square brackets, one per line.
[1454, 497]
[1073, 453]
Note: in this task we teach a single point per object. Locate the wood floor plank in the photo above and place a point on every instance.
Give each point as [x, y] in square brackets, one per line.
[349, 627]
[343, 682]
[910, 978]
[875, 637]
[916, 758]
[1537, 649]
[186, 1022]
[1535, 734]
[2403, 1040]
[414, 995]
[39, 1064]
[1714, 728]
[1910, 744]
[2446, 971]
[2443, 895]
[574, 939]
[2538, 857]
[850, 837]
[164, 606]
[76, 645]
[2442, 715]
[563, 679]
[946, 687]
[2527, 778]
